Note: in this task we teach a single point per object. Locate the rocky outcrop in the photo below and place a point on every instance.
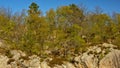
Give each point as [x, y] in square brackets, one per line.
[3, 62]
[100, 56]
[33, 62]
[17, 54]
[111, 60]
[44, 65]
[68, 65]
[89, 61]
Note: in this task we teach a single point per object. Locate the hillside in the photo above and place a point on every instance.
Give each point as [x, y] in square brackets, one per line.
[67, 37]
[99, 56]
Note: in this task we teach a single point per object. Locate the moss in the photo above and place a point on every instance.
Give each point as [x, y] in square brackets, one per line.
[41, 60]
[101, 56]
[107, 51]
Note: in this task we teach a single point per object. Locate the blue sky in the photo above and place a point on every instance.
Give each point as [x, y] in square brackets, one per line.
[108, 6]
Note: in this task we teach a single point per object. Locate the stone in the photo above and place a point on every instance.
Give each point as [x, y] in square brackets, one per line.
[111, 60]
[13, 65]
[98, 50]
[89, 61]
[44, 65]
[77, 59]
[17, 54]
[3, 61]
[68, 65]
[108, 45]
[33, 62]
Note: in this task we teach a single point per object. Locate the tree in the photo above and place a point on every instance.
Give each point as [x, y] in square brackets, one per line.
[70, 14]
[77, 15]
[37, 30]
[33, 9]
[51, 18]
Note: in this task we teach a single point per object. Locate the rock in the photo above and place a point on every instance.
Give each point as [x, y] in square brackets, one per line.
[79, 66]
[94, 49]
[13, 65]
[77, 59]
[44, 65]
[98, 50]
[111, 60]
[17, 54]
[47, 52]
[58, 66]
[89, 61]
[33, 62]
[68, 65]
[108, 45]
[3, 61]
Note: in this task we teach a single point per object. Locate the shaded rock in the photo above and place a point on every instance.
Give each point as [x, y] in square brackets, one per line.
[111, 60]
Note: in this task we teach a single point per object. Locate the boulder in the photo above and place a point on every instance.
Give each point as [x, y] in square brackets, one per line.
[89, 61]
[3, 61]
[17, 54]
[111, 60]
[108, 45]
[68, 65]
[33, 62]
[44, 65]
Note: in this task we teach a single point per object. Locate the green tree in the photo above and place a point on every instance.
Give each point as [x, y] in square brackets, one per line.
[37, 30]
[33, 9]
[51, 18]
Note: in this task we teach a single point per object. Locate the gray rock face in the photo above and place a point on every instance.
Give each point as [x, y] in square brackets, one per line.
[111, 60]
[92, 57]
[86, 61]
[89, 59]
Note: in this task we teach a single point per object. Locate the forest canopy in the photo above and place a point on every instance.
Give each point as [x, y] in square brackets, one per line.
[66, 29]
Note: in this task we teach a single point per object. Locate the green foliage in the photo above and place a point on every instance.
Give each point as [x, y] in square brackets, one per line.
[66, 30]
[33, 9]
